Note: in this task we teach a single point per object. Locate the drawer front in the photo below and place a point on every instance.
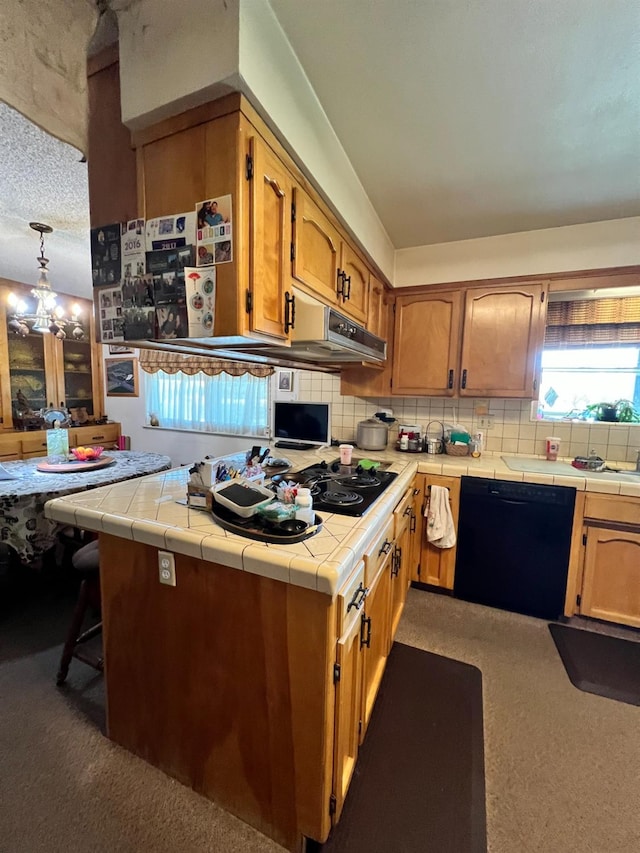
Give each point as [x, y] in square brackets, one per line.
[35, 444]
[378, 551]
[105, 434]
[402, 512]
[612, 508]
[351, 598]
[10, 447]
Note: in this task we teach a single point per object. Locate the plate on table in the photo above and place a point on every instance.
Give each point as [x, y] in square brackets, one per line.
[75, 466]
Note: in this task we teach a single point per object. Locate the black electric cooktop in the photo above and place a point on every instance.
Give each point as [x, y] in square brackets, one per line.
[344, 489]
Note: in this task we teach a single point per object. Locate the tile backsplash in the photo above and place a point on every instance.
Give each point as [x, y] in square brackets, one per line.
[513, 431]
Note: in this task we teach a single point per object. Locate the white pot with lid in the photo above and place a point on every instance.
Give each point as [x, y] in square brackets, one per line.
[372, 434]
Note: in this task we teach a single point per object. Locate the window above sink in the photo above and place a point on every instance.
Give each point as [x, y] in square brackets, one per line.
[591, 357]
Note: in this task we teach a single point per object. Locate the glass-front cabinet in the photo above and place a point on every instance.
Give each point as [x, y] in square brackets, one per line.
[52, 369]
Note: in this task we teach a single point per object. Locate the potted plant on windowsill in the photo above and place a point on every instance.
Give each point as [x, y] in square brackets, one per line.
[622, 411]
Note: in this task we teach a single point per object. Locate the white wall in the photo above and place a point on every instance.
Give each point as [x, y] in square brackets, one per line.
[593, 245]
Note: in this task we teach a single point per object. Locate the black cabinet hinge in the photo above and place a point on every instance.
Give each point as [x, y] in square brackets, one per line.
[249, 302]
[293, 212]
[578, 600]
[584, 538]
[336, 673]
[249, 167]
[293, 251]
[333, 804]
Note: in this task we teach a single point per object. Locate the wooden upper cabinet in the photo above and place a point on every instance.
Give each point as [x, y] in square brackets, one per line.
[353, 288]
[501, 331]
[316, 248]
[325, 263]
[503, 328]
[425, 350]
[270, 239]
[378, 308]
[173, 170]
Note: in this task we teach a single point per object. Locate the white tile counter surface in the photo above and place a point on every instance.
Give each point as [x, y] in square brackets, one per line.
[145, 510]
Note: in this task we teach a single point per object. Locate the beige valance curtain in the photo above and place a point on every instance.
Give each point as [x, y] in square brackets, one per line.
[593, 321]
[151, 361]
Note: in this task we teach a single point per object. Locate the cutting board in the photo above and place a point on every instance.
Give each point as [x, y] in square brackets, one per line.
[75, 466]
[542, 466]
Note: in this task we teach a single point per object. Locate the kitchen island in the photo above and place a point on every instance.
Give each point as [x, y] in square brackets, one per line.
[229, 680]
[253, 679]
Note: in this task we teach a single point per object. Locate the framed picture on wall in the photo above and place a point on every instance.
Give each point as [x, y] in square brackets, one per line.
[122, 377]
[285, 380]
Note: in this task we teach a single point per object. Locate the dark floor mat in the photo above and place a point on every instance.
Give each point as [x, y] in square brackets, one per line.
[418, 786]
[597, 663]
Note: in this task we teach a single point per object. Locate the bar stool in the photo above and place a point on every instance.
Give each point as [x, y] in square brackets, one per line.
[87, 561]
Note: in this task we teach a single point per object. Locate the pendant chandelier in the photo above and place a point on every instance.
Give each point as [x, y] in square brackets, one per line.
[48, 316]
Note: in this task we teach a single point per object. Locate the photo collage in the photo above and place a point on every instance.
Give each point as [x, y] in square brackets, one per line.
[150, 279]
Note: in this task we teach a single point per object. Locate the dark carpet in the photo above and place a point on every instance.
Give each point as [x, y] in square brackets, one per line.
[418, 786]
[600, 664]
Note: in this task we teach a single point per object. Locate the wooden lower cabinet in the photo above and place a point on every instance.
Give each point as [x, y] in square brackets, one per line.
[437, 565]
[376, 639]
[611, 581]
[348, 709]
[32, 445]
[254, 692]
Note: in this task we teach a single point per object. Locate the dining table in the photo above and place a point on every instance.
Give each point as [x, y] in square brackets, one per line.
[24, 490]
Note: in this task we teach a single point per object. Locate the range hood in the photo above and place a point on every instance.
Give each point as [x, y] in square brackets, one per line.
[320, 336]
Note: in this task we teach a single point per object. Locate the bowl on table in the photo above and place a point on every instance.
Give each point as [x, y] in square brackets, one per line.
[87, 454]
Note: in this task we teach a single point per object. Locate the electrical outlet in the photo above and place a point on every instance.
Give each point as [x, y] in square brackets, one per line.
[167, 568]
[486, 422]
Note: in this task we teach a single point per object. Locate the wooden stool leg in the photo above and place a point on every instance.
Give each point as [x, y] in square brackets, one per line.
[74, 630]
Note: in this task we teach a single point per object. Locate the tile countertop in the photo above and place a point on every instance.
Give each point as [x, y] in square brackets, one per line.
[145, 510]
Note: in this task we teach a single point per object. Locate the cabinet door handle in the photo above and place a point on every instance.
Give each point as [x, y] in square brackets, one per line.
[464, 379]
[412, 523]
[416, 492]
[450, 383]
[365, 622]
[407, 511]
[97, 438]
[395, 563]
[289, 312]
[385, 547]
[535, 384]
[346, 287]
[358, 597]
[340, 283]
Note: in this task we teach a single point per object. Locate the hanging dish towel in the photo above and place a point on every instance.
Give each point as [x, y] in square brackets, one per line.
[441, 530]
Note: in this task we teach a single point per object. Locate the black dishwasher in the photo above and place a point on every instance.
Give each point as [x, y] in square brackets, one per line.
[513, 545]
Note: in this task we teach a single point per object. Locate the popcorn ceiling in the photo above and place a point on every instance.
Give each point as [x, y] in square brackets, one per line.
[42, 179]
